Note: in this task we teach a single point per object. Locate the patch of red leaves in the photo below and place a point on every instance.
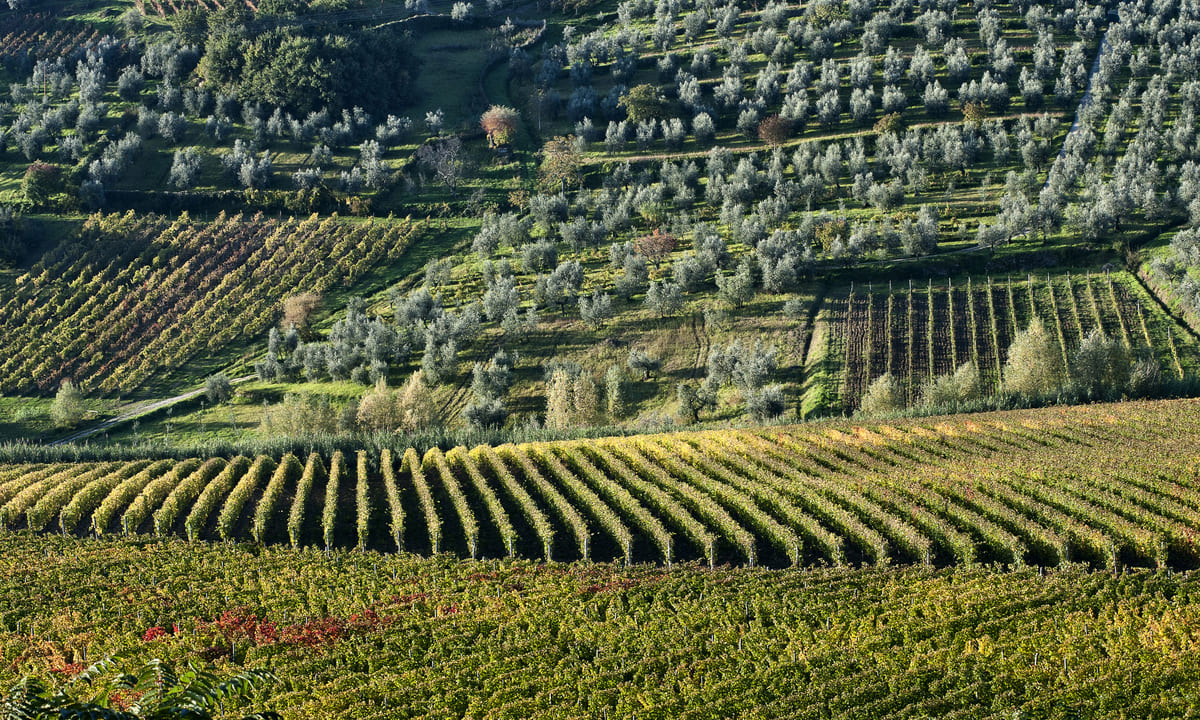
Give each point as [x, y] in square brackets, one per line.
[241, 625]
[610, 586]
[153, 634]
[67, 669]
[124, 699]
[409, 599]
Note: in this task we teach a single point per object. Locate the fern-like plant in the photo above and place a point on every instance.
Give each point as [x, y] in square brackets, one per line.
[155, 691]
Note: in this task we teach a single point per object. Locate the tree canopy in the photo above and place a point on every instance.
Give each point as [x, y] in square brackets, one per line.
[304, 70]
[560, 163]
[643, 102]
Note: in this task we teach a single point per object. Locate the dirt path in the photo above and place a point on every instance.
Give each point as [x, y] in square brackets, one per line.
[137, 411]
[1084, 102]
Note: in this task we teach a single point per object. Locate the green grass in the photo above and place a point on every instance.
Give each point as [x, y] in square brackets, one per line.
[28, 418]
[450, 79]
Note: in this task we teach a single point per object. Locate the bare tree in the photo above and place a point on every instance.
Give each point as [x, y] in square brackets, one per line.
[444, 157]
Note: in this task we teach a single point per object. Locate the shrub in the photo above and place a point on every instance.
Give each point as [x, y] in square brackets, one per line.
[643, 362]
[774, 130]
[1035, 364]
[703, 127]
[766, 403]
[1102, 365]
[499, 122]
[218, 388]
[68, 409]
[185, 168]
[40, 182]
[954, 389]
[883, 395]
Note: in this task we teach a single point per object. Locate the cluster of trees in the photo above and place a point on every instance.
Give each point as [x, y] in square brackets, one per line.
[62, 103]
[218, 69]
[575, 399]
[1134, 152]
[307, 67]
[756, 195]
[489, 382]
[362, 349]
[747, 371]
[753, 198]
[801, 81]
[411, 408]
[1180, 267]
[365, 349]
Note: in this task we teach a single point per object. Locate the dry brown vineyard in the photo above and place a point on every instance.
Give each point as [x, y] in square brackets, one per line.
[918, 331]
[1108, 485]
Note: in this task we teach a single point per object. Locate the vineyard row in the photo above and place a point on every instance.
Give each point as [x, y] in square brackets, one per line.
[124, 303]
[1097, 485]
[922, 330]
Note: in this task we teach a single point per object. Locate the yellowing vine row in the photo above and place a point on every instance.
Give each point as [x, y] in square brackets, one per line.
[1108, 485]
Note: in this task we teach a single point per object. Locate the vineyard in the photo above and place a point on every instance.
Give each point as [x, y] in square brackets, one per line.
[165, 8]
[543, 454]
[1105, 485]
[371, 636]
[125, 302]
[42, 36]
[921, 330]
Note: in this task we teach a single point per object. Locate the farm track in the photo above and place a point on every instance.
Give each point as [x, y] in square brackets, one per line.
[934, 491]
[132, 413]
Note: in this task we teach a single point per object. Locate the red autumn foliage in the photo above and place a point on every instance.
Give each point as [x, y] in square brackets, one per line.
[409, 599]
[656, 246]
[610, 586]
[241, 625]
[124, 699]
[774, 130]
[153, 634]
[68, 669]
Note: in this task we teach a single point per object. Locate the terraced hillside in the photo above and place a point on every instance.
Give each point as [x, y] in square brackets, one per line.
[1109, 485]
